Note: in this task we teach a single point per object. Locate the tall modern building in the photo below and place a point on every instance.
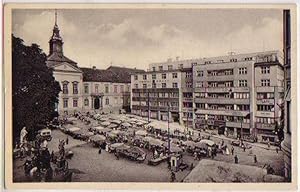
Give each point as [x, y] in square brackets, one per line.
[87, 89]
[236, 95]
[286, 144]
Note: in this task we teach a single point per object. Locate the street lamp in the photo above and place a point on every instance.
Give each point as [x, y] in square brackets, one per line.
[169, 129]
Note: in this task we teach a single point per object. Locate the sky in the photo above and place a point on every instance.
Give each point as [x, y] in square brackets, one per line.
[136, 38]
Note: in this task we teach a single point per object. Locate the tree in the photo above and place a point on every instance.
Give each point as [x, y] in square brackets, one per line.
[35, 90]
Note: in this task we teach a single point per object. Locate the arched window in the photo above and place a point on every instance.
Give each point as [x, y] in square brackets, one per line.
[86, 102]
[65, 87]
[75, 87]
[107, 101]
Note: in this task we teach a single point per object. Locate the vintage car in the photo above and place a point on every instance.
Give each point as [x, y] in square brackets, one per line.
[44, 134]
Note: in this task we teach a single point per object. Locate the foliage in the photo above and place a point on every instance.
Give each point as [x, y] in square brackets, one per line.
[35, 90]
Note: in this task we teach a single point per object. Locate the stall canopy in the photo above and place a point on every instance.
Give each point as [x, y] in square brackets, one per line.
[201, 145]
[105, 123]
[208, 142]
[118, 122]
[111, 126]
[153, 141]
[96, 138]
[141, 132]
[102, 129]
[126, 124]
[189, 143]
[73, 129]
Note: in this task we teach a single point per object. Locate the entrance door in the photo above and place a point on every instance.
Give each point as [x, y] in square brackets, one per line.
[96, 103]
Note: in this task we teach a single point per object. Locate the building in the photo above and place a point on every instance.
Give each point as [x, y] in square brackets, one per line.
[286, 144]
[164, 86]
[235, 95]
[87, 89]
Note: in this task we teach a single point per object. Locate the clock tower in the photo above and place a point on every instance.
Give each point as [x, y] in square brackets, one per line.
[56, 42]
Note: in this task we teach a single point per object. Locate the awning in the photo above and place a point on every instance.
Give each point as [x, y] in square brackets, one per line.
[141, 132]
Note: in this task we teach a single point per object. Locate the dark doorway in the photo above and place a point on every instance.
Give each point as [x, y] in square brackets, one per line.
[221, 130]
[96, 103]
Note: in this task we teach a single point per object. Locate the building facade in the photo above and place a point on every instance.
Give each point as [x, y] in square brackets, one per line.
[286, 144]
[235, 95]
[87, 89]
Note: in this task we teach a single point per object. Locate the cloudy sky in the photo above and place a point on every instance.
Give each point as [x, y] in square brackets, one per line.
[135, 38]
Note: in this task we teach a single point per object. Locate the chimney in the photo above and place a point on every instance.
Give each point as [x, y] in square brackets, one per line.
[94, 67]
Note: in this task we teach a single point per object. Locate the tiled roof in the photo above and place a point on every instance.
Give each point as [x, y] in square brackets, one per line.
[56, 58]
[112, 74]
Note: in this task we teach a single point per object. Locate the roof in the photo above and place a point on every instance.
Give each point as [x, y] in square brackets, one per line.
[112, 74]
[56, 58]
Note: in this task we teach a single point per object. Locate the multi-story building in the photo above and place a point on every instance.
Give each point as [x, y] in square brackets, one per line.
[87, 89]
[286, 144]
[162, 87]
[237, 95]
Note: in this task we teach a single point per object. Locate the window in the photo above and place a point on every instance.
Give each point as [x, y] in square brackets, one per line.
[174, 75]
[188, 75]
[248, 58]
[65, 87]
[153, 68]
[189, 84]
[122, 88]
[107, 101]
[136, 86]
[96, 88]
[265, 95]
[243, 70]
[128, 88]
[160, 68]
[243, 107]
[200, 73]
[213, 84]
[200, 105]
[265, 82]
[228, 84]
[163, 76]
[265, 107]
[207, 62]
[199, 84]
[265, 120]
[174, 85]
[75, 87]
[86, 102]
[265, 70]
[135, 77]
[233, 60]
[65, 102]
[242, 83]
[153, 76]
[241, 95]
[163, 85]
[75, 102]
[144, 77]
[170, 67]
[144, 86]
[86, 89]
[229, 72]
[115, 88]
[153, 85]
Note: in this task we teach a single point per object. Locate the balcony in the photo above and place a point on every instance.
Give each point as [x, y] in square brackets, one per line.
[237, 124]
[155, 108]
[265, 126]
[265, 101]
[155, 90]
[222, 101]
[187, 99]
[265, 114]
[265, 89]
[222, 89]
[220, 78]
[225, 112]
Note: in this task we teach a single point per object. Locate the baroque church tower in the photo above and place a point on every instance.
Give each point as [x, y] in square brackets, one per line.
[56, 42]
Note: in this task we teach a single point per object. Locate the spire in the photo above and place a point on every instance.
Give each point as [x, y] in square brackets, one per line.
[55, 17]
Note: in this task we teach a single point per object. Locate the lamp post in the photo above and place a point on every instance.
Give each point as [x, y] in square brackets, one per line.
[168, 129]
[148, 107]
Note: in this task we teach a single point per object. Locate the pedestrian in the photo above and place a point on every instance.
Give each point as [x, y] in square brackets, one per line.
[236, 159]
[280, 147]
[192, 166]
[232, 150]
[255, 159]
[67, 140]
[99, 150]
[269, 145]
[173, 177]
[276, 150]
[244, 148]
[222, 143]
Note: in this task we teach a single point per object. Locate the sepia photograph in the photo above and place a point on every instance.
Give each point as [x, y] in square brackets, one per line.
[151, 95]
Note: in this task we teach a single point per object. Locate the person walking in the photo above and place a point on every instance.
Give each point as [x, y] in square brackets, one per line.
[276, 149]
[232, 150]
[269, 145]
[236, 159]
[173, 177]
[255, 159]
[67, 140]
[244, 148]
[99, 150]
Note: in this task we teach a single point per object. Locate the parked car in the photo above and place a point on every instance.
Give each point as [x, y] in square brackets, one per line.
[44, 134]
